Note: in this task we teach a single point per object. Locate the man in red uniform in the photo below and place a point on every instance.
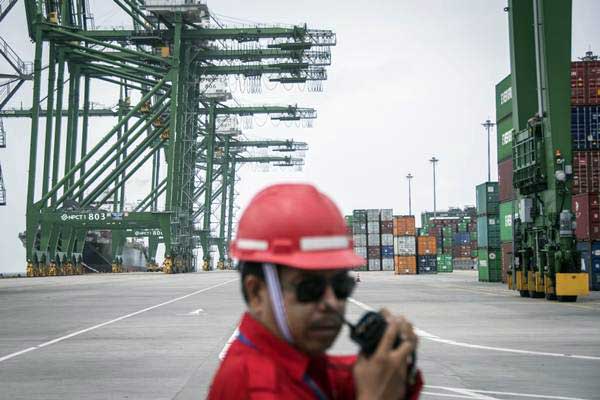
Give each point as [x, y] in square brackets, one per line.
[294, 256]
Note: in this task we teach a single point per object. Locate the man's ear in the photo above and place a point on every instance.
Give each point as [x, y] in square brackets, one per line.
[256, 291]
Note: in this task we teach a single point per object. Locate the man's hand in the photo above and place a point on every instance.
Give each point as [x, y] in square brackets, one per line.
[384, 375]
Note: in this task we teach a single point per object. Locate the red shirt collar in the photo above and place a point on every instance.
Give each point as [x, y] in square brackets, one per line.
[285, 355]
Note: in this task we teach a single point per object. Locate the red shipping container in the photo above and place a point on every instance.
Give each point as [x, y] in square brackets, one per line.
[578, 96]
[586, 208]
[386, 227]
[507, 255]
[586, 171]
[505, 180]
[373, 252]
[585, 83]
[593, 77]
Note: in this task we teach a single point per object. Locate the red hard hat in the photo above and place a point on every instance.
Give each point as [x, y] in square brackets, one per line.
[294, 225]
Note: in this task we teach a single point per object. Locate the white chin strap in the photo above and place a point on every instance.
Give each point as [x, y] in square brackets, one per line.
[276, 297]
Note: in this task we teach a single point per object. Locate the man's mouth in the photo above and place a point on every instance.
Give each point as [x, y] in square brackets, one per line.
[325, 327]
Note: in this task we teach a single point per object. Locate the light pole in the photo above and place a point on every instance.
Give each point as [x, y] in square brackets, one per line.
[409, 177]
[434, 161]
[488, 125]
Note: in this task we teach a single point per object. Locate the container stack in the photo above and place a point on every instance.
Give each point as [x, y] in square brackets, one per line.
[585, 134]
[359, 234]
[455, 231]
[386, 227]
[405, 245]
[488, 232]
[373, 241]
[506, 192]
[426, 255]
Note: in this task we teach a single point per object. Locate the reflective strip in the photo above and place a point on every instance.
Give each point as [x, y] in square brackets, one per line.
[324, 243]
[251, 244]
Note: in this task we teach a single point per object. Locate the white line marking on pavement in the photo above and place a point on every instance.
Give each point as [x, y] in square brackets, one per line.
[472, 394]
[514, 394]
[455, 396]
[430, 336]
[231, 339]
[196, 312]
[361, 305]
[60, 339]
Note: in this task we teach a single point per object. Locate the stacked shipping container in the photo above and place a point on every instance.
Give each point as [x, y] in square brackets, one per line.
[359, 234]
[585, 135]
[386, 227]
[506, 192]
[426, 255]
[372, 232]
[488, 232]
[405, 243]
[455, 233]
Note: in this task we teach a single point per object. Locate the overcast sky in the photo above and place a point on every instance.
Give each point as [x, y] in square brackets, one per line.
[409, 80]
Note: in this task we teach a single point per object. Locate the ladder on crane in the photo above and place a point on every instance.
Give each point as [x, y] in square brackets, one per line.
[2, 135]
[2, 145]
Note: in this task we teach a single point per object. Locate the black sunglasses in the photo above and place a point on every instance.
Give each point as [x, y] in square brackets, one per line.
[312, 287]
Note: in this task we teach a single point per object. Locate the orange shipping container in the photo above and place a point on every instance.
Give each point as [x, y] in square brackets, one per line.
[405, 265]
[404, 226]
[426, 245]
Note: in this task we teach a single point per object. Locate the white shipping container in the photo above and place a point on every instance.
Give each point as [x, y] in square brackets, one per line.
[359, 227]
[387, 264]
[387, 239]
[373, 227]
[405, 246]
[373, 239]
[361, 251]
[373, 215]
[375, 264]
[387, 214]
[360, 240]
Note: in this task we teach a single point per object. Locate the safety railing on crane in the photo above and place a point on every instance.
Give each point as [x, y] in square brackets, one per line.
[24, 69]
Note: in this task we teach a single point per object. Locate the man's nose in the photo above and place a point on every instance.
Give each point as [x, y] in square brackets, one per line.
[329, 299]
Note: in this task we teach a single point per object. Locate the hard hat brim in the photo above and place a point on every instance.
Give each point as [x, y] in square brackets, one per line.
[314, 261]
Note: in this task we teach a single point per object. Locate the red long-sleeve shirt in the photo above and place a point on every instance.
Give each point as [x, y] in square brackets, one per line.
[261, 366]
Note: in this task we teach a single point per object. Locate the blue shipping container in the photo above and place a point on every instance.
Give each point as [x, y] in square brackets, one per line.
[387, 251]
[585, 127]
[462, 238]
[590, 261]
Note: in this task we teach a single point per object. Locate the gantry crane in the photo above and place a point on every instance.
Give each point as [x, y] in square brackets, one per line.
[546, 261]
[162, 68]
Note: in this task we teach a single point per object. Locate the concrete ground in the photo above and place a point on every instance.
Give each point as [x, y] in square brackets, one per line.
[155, 336]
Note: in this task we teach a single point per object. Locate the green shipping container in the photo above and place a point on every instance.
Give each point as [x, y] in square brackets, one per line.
[349, 220]
[444, 263]
[507, 214]
[473, 235]
[503, 98]
[487, 198]
[489, 274]
[488, 231]
[489, 265]
[462, 227]
[504, 136]
[490, 258]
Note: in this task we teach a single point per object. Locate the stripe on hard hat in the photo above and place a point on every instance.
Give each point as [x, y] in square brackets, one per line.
[251, 244]
[314, 243]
